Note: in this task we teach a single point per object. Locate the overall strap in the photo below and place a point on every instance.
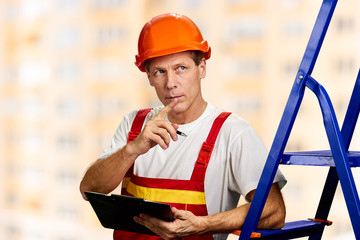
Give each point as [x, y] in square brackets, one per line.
[137, 124]
[134, 132]
[207, 147]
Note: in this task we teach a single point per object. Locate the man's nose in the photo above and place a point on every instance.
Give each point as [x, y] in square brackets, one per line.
[171, 80]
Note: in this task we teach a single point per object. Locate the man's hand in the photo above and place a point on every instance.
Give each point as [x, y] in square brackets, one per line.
[156, 131]
[185, 224]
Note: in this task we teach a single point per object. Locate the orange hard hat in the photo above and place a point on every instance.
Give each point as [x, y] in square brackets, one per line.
[169, 33]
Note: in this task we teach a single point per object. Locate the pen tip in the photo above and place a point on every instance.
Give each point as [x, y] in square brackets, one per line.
[181, 133]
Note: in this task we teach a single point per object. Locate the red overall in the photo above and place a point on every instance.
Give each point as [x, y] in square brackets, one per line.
[182, 194]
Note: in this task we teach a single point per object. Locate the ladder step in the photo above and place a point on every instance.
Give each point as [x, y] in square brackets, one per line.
[318, 158]
[294, 229]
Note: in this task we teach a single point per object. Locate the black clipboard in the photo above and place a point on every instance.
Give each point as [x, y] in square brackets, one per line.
[117, 211]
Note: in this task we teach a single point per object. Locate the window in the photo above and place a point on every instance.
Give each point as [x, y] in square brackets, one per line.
[33, 74]
[107, 69]
[108, 104]
[109, 4]
[11, 138]
[11, 12]
[12, 231]
[345, 24]
[241, 67]
[11, 199]
[67, 37]
[68, 106]
[67, 212]
[12, 169]
[67, 178]
[32, 9]
[32, 177]
[291, 68]
[68, 72]
[345, 65]
[68, 5]
[32, 142]
[9, 74]
[9, 106]
[290, 4]
[243, 104]
[193, 3]
[110, 34]
[243, 28]
[293, 28]
[67, 143]
[32, 107]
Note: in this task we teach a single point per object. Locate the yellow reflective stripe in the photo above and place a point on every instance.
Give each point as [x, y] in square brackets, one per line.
[125, 182]
[166, 195]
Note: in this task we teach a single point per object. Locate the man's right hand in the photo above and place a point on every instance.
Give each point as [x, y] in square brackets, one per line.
[157, 131]
[106, 174]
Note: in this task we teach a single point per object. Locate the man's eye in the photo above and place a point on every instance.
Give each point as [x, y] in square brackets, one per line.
[182, 68]
[159, 72]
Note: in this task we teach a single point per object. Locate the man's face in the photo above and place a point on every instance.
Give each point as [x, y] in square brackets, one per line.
[175, 77]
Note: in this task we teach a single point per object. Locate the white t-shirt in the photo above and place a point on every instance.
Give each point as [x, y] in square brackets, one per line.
[235, 165]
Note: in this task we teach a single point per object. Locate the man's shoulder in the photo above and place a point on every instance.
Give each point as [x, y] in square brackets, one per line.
[233, 121]
[234, 124]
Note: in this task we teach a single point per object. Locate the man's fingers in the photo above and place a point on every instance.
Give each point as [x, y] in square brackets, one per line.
[162, 139]
[149, 222]
[170, 128]
[157, 130]
[165, 111]
[158, 226]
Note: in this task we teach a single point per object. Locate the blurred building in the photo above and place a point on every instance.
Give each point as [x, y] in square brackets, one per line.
[67, 77]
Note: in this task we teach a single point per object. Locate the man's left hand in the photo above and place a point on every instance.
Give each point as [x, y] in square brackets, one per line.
[185, 224]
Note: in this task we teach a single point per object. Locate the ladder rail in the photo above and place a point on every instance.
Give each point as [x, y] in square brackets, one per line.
[317, 36]
[350, 119]
[339, 153]
[287, 121]
[347, 131]
[327, 197]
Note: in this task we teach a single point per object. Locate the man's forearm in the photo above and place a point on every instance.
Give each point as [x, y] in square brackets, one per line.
[106, 174]
[272, 217]
[234, 220]
[223, 222]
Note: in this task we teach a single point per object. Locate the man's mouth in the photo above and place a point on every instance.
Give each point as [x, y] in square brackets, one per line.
[172, 97]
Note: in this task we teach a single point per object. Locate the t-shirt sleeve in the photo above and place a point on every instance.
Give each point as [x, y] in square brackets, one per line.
[248, 157]
[120, 137]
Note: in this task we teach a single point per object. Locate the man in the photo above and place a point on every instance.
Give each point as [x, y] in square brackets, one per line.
[201, 173]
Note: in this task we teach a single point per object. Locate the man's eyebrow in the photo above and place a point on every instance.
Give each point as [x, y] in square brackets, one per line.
[181, 64]
[155, 68]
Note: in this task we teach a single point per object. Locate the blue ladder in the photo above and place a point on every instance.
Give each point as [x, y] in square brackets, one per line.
[338, 159]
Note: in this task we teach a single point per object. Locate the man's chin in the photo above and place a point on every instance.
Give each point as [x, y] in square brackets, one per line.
[178, 108]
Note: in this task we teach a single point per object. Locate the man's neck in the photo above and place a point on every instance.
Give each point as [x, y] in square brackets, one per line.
[190, 115]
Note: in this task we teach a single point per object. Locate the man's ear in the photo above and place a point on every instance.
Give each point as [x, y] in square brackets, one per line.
[202, 67]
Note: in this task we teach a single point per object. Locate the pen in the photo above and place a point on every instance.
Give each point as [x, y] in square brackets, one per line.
[181, 133]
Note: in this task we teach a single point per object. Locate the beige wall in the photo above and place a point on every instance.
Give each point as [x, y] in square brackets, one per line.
[67, 77]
